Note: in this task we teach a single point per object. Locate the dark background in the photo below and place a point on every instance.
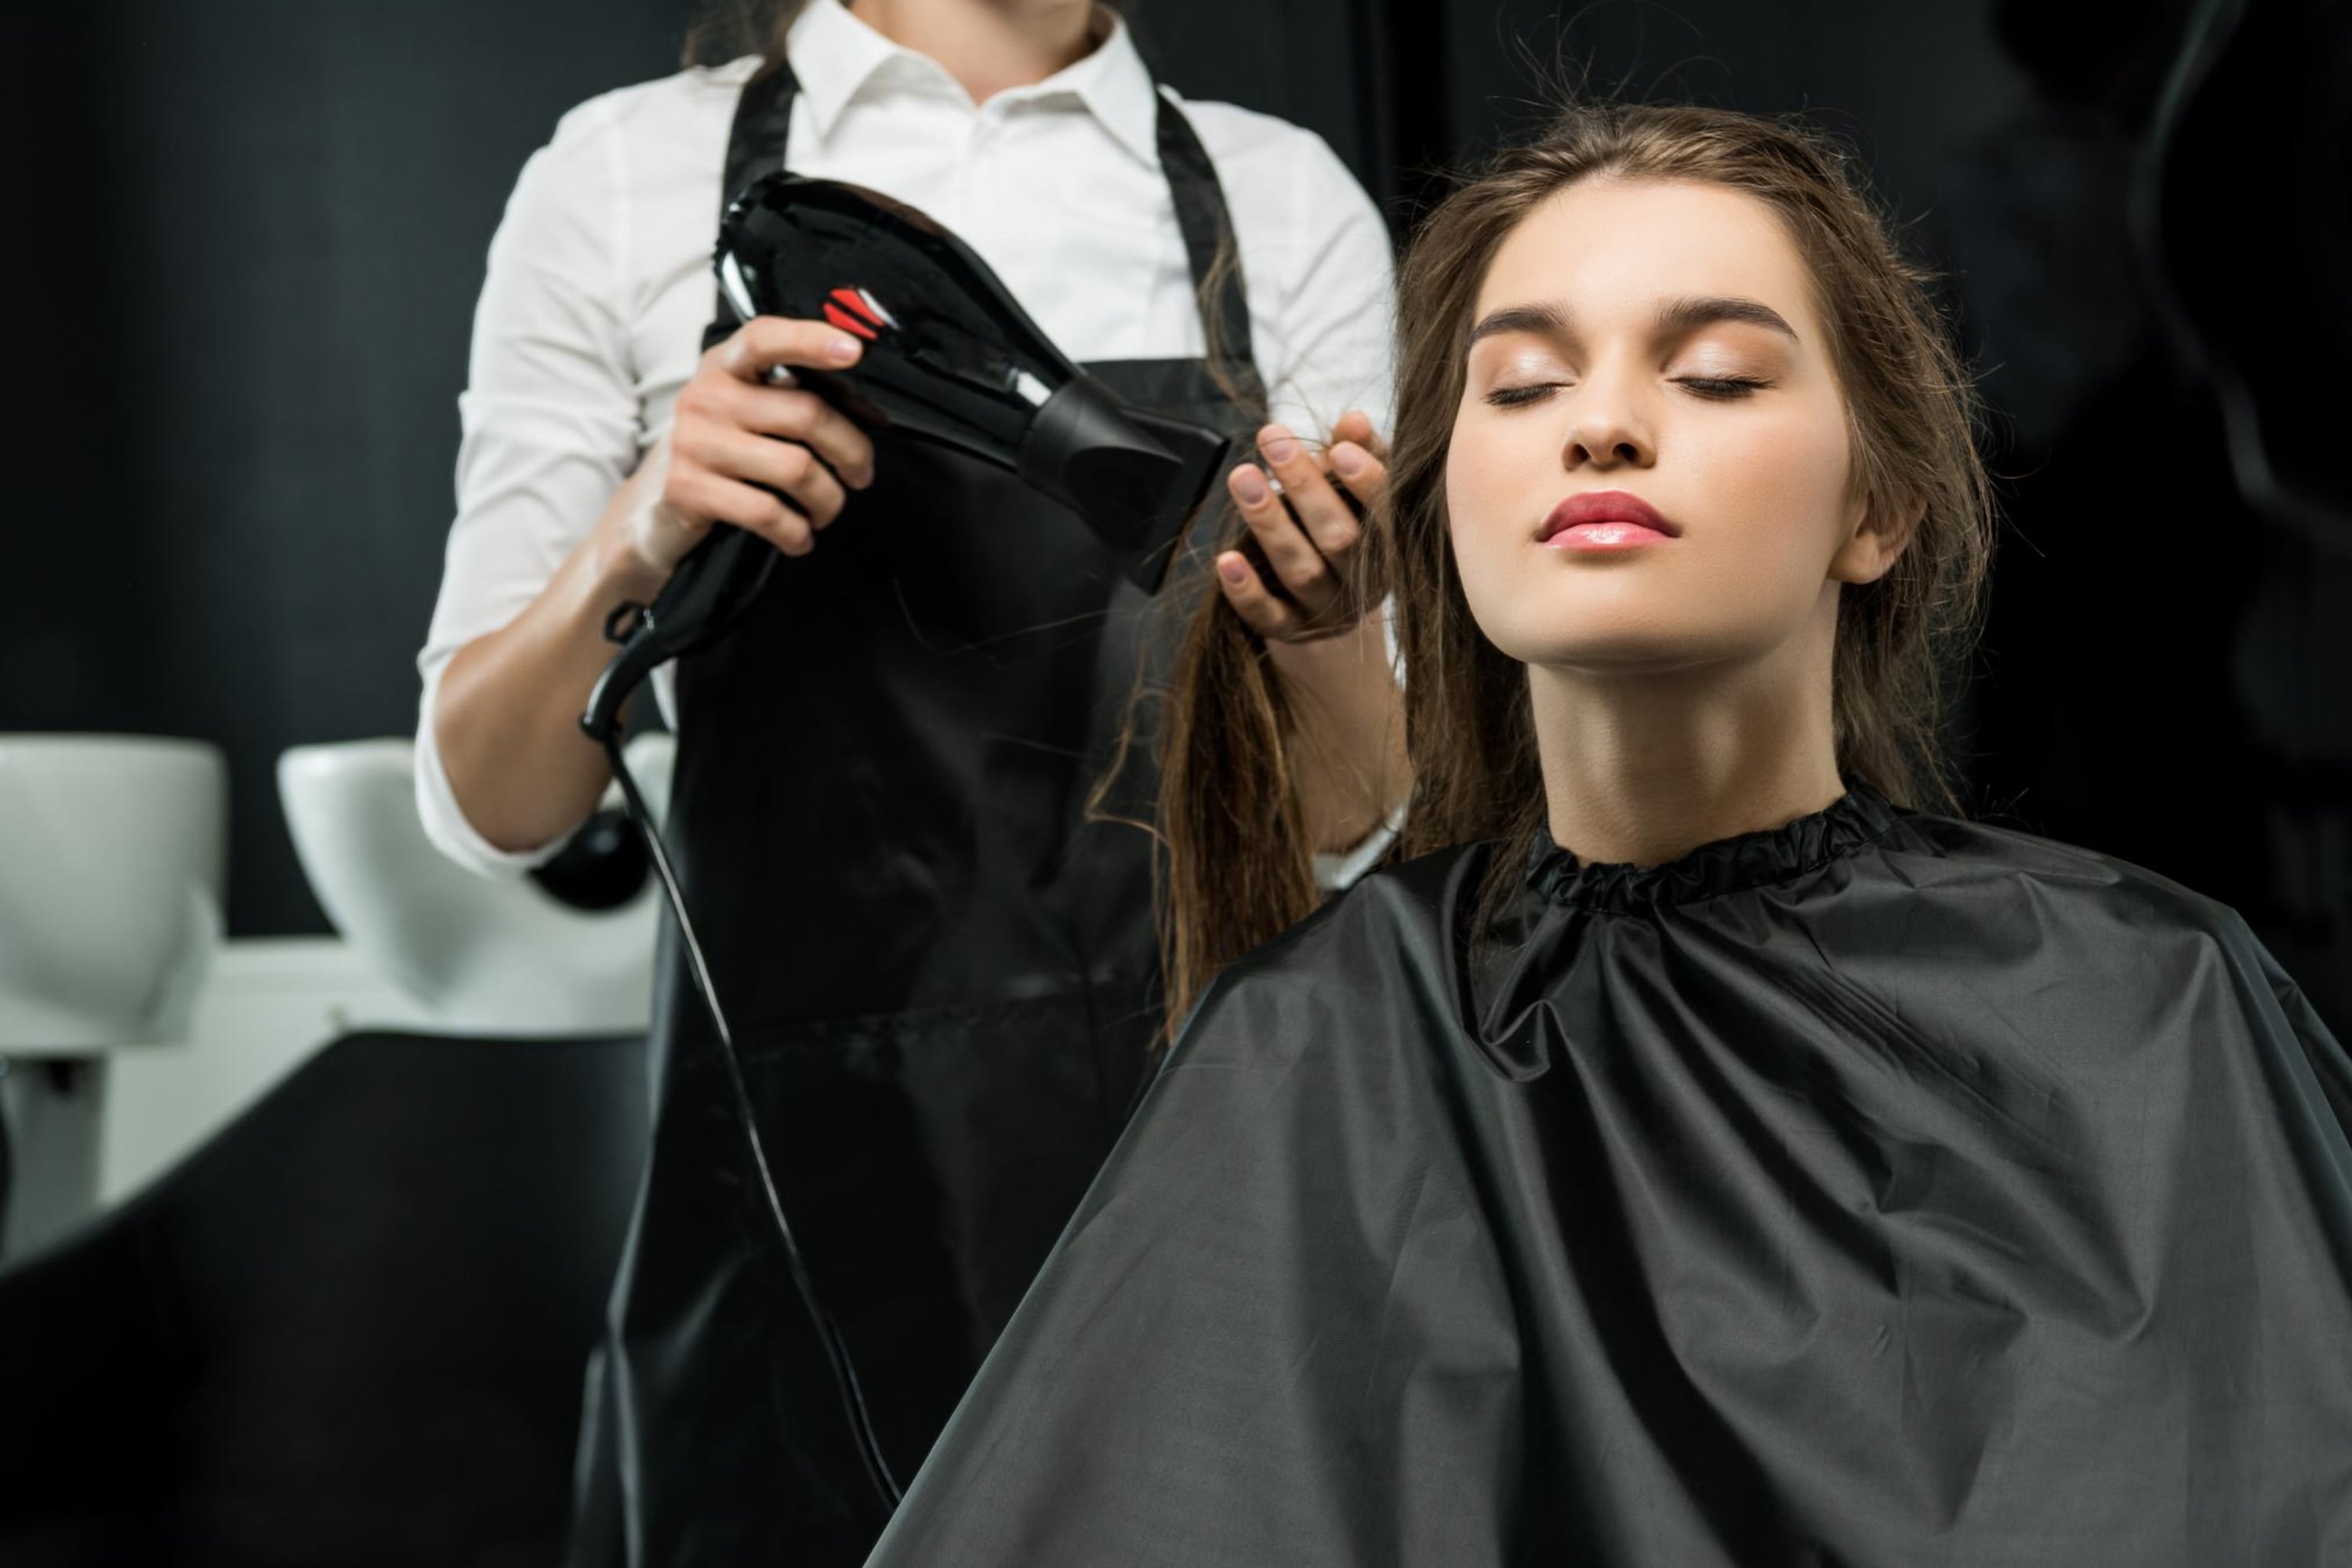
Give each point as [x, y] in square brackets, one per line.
[248, 234]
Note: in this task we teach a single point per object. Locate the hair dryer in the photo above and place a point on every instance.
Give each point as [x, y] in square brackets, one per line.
[950, 358]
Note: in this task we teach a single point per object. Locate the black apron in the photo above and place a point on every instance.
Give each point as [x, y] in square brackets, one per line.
[941, 970]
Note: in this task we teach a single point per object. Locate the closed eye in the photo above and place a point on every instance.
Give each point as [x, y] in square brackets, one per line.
[1717, 388]
[1722, 387]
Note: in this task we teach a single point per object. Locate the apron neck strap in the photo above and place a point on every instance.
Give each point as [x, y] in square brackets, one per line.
[757, 140]
[755, 144]
[1208, 228]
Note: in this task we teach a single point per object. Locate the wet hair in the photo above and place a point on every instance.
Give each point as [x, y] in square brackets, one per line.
[1239, 872]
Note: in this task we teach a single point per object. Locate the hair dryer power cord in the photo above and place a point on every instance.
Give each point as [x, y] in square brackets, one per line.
[837, 1352]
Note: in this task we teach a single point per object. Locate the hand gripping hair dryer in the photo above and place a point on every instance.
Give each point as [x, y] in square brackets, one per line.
[950, 358]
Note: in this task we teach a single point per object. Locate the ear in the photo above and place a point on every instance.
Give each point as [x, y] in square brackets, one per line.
[1881, 531]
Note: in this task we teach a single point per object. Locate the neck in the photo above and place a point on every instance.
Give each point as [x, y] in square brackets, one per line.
[1644, 768]
[986, 45]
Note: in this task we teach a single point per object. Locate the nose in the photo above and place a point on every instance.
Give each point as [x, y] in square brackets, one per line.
[1606, 430]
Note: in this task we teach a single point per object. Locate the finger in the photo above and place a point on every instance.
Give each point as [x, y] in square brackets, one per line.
[1298, 565]
[766, 341]
[714, 496]
[784, 465]
[809, 419]
[1365, 476]
[1357, 426]
[1328, 521]
[1246, 592]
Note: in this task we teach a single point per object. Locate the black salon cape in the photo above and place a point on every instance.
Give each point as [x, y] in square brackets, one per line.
[1880, 1190]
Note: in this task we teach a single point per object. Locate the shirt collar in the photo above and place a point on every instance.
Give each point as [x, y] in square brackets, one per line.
[836, 55]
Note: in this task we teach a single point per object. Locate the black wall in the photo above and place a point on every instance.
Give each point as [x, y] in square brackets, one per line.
[251, 232]
[243, 288]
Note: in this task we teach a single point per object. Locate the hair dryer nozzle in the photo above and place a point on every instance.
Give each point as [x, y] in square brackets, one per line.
[1132, 476]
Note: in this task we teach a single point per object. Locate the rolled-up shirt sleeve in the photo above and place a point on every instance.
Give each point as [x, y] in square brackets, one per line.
[551, 422]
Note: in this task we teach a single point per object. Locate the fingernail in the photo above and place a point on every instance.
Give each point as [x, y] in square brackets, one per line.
[841, 350]
[1349, 459]
[1233, 569]
[1280, 448]
[1249, 486]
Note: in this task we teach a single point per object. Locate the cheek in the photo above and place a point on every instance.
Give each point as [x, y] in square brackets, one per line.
[1792, 470]
[1482, 483]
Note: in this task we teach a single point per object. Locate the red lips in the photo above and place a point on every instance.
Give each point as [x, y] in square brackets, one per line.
[1606, 506]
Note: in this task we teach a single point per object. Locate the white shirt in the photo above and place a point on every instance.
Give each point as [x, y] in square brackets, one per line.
[600, 283]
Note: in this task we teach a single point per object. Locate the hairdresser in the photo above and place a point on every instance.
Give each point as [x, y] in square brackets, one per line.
[914, 848]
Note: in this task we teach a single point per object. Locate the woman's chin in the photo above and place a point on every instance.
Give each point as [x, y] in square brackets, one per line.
[1647, 644]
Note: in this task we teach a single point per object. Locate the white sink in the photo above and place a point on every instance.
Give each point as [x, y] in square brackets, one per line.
[111, 859]
[482, 954]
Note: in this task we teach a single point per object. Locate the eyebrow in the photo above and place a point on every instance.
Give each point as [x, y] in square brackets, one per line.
[1680, 318]
[1543, 320]
[1675, 319]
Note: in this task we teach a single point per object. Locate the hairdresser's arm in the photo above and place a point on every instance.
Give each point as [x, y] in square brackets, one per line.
[506, 715]
[1330, 650]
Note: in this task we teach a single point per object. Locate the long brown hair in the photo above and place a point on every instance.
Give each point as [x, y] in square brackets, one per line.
[1238, 873]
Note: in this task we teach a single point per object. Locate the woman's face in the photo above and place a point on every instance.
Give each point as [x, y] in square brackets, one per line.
[1650, 468]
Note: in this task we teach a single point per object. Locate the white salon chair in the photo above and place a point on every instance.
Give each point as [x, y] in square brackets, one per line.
[485, 955]
[112, 853]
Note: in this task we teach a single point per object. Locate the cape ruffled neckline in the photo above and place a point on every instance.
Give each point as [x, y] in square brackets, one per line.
[1861, 815]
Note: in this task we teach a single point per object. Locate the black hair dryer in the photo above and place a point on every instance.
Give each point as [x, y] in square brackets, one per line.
[950, 358]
